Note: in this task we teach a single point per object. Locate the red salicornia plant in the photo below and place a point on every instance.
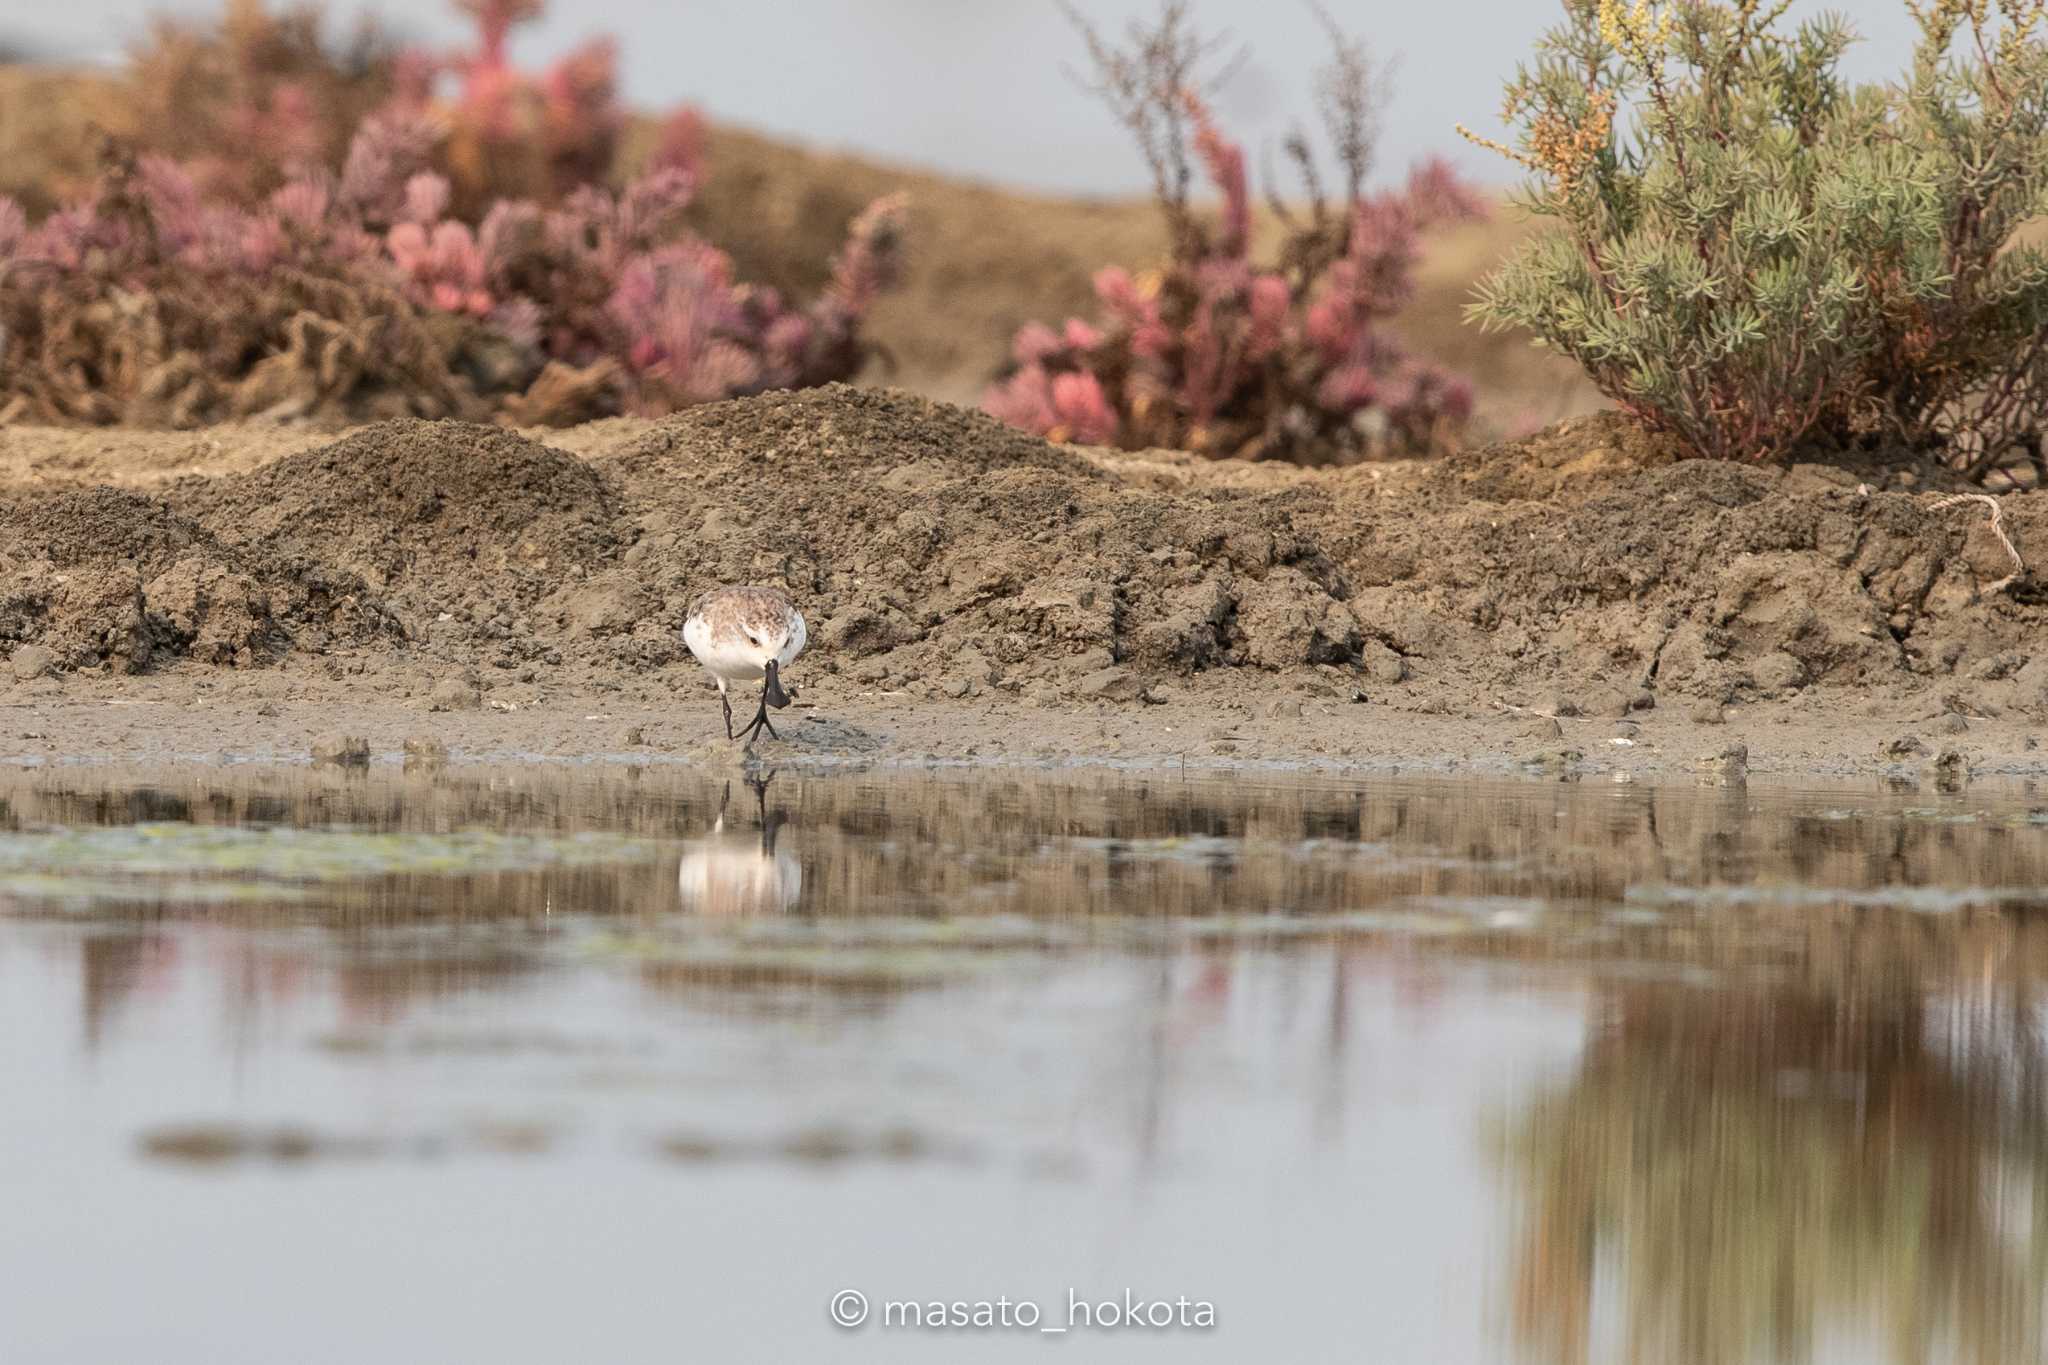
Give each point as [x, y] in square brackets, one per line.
[390, 271]
[152, 301]
[1214, 351]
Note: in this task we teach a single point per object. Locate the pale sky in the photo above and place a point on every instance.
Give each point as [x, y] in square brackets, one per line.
[976, 87]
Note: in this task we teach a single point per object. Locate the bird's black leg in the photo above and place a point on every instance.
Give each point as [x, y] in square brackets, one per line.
[759, 723]
[726, 702]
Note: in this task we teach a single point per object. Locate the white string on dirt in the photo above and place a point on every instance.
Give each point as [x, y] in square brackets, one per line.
[2019, 566]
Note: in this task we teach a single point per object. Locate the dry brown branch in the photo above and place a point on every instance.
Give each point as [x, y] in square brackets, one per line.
[1348, 96]
[1145, 84]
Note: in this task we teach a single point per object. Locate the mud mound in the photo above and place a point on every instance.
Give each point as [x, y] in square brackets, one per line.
[95, 526]
[1703, 577]
[933, 550]
[106, 577]
[1581, 453]
[836, 433]
[408, 493]
[432, 516]
[929, 543]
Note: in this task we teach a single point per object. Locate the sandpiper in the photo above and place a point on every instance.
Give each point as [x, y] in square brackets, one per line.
[746, 635]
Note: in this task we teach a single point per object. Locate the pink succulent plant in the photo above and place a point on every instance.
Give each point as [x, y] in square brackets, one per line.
[609, 282]
[1216, 353]
[1213, 350]
[442, 265]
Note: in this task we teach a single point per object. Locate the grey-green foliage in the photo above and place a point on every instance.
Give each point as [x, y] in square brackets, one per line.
[1758, 256]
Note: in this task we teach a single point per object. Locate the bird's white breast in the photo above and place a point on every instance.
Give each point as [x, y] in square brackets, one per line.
[736, 657]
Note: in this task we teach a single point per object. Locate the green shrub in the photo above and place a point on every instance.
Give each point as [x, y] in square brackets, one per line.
[1760, 257]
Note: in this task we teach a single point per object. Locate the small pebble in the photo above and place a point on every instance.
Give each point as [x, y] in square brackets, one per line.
[1710, 713]
[631, 738]
[1952, 724]
[1543, 727]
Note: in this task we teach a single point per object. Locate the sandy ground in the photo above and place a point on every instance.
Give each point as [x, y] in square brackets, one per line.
[196, 716]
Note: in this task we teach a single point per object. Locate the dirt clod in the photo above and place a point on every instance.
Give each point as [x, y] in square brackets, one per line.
[453, 694]
[1382, 664]
[1111, 684]
[424, 751]
[31, 661]
[1730, 762]
[345, 751]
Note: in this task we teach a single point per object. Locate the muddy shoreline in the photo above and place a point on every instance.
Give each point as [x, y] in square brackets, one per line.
[287, 719]
[1580, 602]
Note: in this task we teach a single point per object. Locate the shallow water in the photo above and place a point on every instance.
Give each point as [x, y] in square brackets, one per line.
[534, 1065]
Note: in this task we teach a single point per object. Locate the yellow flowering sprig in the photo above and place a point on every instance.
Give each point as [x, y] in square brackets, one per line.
[2024, 22]
[1561, 149]
[1643, 31]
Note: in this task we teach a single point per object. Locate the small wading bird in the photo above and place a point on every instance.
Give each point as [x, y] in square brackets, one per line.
[746, 635]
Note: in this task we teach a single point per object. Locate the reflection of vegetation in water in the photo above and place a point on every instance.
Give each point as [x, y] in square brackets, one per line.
[1099, 845]
[1759, 1170]
[301, 855]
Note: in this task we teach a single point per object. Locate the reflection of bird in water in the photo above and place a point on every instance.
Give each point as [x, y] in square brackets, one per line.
[729, 875]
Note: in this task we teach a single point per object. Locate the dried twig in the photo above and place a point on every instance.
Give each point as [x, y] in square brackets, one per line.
[2019, 565]
[1348, 96]
[1145, 84]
